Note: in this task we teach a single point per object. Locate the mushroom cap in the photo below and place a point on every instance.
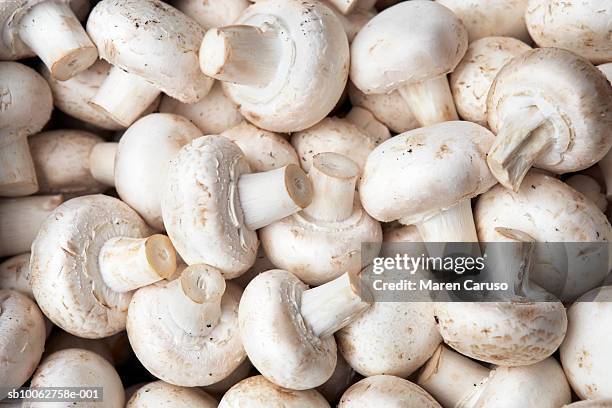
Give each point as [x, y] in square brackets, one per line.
[65, 274]
[201, 207]
[153, 40]
[604, 403]
[419, 173]
[163, 395]
[14, 274]
[22, 338]
[485, 18]
[264, 150]
[257, 392]
[240, 373]
[61, 160]
[386, 391]
[471, 80]
[591, 189]
[408, 43]
[585, 353]
[312, 73]
[394, 338]
[582, 27]
[143, 157]
[212, 13]
[79, 368]
[569, 91]
[278, 342]
[61, 340]
[212, 114]
[25, 101]
[181, 358]
[503, 333]
[550, 211]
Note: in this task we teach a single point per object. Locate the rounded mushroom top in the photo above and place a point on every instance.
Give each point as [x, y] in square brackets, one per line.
[25, 100]
[604, 403]
[386, 391]
[257, 392]
[408, 43]
[65, 273]
[163, 395]
[153, 40]
[14, 274]
[419, 173]
[582, 26]
[212, 13]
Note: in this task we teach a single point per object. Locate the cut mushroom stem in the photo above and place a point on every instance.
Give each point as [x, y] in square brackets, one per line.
[430, 101]
[455, 224]
[17, 173]
[241, 54]
[272, 195]
[194, 300]
[124, 96]
[127, 264]
[333, 179]
[517, 146]
[329, 307]
[102, 162]
[54, 33]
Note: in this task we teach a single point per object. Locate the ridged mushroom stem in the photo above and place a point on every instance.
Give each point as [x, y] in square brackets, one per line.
[124, 96]
[430, 101]
[102, 162]
[17, 173]
[272, 195]
[127, 264]
[194, 299]
[368, 124]
[331, 306]
[455, 224]
[54, 33]
[517, 146]
[333, 178]
[241, 54]
[605, 165]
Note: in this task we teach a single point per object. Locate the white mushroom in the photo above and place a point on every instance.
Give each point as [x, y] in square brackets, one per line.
[590, 188]
[386, 391]
[102, 162]
[14, 274]
[354, 21]
[212, 13]
[163, 395]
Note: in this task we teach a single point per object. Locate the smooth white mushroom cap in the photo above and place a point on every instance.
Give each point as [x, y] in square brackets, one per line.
[407, 43]
[212, 13]
[419, 173]
[471, 80]
[582, 27]
[163, 395]
[585, 354]
[386, 391]
[591, 189]
[142, 160]
[257, 392]
[154, 41]
[219, 388]
[14, 274]
[65, 273]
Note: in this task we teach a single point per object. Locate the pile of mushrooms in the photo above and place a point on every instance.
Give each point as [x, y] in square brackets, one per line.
[195, 197]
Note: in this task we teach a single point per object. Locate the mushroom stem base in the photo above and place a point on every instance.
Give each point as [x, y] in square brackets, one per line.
[430, 101]
[102, 162]
[17, 173]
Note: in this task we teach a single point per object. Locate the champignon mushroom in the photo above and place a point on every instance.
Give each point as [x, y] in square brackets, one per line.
[550, 109]
[48, 29]
[354, 21]
[325, 240]
[25, 107]
[153, 48]
[590, 188]
[212, 13]
[410, 47]
[79, 368]
[550, 211]
[102, 162]
[163, 395]
[257, 392]
[471, 80]
[284, 62]
[14, 274]
[90, 253]
[386, 391]
[212, 205]
[582, 27]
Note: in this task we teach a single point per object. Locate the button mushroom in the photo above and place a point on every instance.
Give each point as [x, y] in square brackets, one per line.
[410, 47]
[14, 274]
[153, 48]
[386, 391]
[550, 109]
[163, 395]
[90, 253]
[212, 205]
[287, 329]
[590, 188]
[285, 63]
[212, 13]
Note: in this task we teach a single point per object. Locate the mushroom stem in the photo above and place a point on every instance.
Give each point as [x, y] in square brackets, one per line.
[331, 306]
[124, 96]
[605, 165]
[368, 124]
[333, 179]
[17, 173]
[54, 33]
[455, 224]
[272, 195]
[241, 54]
[430, 101]
[194, 300]
[517, 146]
[127, 264]
[102, 162]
